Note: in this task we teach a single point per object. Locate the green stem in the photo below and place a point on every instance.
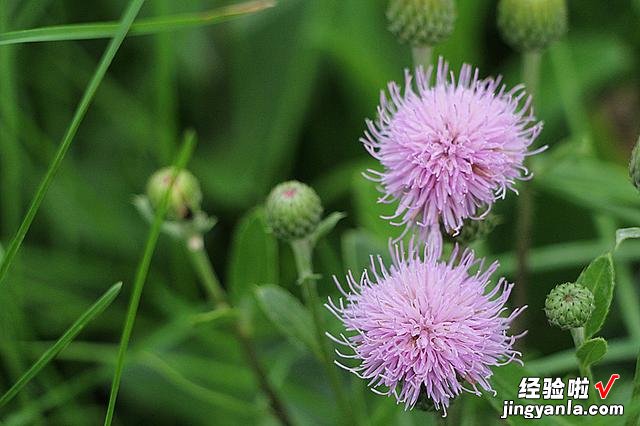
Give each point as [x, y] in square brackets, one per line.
[218, 296]
[141, 275]
[302, 250]
[634, 417]
[578, 340]
[525, 206]
[422, 55]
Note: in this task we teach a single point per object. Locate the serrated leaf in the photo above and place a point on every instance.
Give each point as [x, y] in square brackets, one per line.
[626, 234]
[598, 277]
[592, 351]
[289, 316]
[254, 256]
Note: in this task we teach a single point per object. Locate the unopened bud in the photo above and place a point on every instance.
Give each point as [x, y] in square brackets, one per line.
[185, 196]
[293, 210]
[529, 25]
[569, 306]
[421, 22]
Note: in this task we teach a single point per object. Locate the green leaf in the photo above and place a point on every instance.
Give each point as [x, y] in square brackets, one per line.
[326, 226]
[625, 234]
[598, 277]
[254, 256]
[291, 318]
[97, 30]
[592, 351]
[95, 310]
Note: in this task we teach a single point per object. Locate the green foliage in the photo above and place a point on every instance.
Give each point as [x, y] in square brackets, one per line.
[254, 256]
[599, 278]
[591, 351]
[291, 318]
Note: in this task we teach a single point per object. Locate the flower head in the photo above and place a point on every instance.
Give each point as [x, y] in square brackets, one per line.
[449, 150]
[185, 196]
[569, 305]
[293, 210]
[425, 326]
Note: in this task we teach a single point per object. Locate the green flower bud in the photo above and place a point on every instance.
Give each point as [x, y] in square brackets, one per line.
[569, 306]
[473, 230]
[532, 24]
[185, 196]
[293, 210]
[634, 166]
[421, 22]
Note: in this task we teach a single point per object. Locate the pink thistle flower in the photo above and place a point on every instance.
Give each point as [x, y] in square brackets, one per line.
[426, 327]
[451, 149]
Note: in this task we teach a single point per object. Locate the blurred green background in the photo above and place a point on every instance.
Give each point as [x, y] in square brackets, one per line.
[280, 94]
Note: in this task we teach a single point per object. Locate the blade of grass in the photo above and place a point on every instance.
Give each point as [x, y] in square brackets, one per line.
[146, 26]
[141, 275]
[95, 310]
[83, 106]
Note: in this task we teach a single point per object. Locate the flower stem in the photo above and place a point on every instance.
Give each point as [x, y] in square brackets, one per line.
[422, 55]
[218, 296]
[525, 207]
[578, 341]
[302, 250]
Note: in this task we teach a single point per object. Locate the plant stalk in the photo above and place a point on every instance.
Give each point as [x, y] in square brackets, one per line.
[422, 55]
[218, 297]
[525, 206]
[578, 340]
[302, 250]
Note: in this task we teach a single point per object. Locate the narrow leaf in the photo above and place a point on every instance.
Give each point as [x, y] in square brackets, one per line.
[289, 316]
[97, 30]
[78, 116]
[95, 310]
[254, 256]
[598, 277]
[625, 234]
[592, 351]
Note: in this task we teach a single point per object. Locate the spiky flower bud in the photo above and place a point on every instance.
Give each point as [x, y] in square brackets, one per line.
[293, 210]
[569, 306]
[634, 165]
[185, 196]
[421, 22]
[529, 25]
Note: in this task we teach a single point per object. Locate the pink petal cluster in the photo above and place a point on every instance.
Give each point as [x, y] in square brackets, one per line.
[426, 326]
[450, 149]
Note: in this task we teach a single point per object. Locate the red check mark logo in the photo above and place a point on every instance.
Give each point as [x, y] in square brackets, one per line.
[604, 391]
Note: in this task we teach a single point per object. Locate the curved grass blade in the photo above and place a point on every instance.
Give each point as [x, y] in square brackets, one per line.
[95, 310]
[141, 274]
[81, 110]
[146, 26]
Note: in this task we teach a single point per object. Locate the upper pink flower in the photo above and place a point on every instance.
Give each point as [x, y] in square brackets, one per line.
[449, 150]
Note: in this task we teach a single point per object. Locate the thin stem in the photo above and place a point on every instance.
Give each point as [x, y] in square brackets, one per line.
[525, 206]
[218, 296]
[81, 110]
[422, 55]
[302, 251]
[578, 340]
[141, 275]
[634, 417]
